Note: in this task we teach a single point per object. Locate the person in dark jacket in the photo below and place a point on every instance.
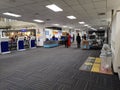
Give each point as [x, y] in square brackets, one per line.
[65, 41]
[78, 39]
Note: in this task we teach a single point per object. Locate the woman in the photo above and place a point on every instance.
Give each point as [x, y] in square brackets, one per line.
[69, 40]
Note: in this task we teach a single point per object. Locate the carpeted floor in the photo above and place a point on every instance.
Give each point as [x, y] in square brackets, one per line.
[52, 69]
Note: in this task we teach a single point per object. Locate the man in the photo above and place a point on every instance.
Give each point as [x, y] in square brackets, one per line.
[78, 39]
[65, 41]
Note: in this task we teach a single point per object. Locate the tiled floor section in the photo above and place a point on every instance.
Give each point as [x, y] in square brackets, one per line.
[52, 69]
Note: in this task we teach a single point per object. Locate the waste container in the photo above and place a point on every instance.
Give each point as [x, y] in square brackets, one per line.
[106, 61]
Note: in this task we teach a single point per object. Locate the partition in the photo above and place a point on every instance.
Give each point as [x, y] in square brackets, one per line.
[4, 45]
[32, 42]
[20, 44]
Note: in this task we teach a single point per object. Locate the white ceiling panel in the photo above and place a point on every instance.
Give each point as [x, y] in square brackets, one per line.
[100, 4]
[85, 1]
[84, 10]
[71, 2]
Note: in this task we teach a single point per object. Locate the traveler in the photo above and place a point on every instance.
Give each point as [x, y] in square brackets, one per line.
[69, 40]
[78, 39]
[65, 41]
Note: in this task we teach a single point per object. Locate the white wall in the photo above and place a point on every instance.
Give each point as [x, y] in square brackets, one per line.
[115, 41]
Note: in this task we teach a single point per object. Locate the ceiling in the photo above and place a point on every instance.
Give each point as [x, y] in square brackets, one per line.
[83, 10]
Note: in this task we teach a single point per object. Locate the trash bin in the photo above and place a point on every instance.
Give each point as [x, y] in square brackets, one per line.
[106, 61]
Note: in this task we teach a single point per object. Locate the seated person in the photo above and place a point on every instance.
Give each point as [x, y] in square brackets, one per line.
[47, 39]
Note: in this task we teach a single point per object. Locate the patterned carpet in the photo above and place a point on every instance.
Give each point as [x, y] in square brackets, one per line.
[52, 69]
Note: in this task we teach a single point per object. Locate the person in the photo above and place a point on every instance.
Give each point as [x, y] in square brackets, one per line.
[53, 37]
[78, 39]
[66, 40]
[69, 40]
[73, 38]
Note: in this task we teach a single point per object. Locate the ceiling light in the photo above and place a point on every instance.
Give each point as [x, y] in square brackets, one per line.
[56, 24]
[37, 20]
[101, 27]
[86, 25]
[71, 17]
[89, 26]
[12, 14]
[94, 29]
[54, 7]
[64, 26]
[81, 22]
[70, 27]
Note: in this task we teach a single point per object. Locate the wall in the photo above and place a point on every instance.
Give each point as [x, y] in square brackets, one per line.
[115, 42]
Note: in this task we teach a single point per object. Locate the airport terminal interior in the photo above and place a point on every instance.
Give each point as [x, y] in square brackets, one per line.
[59, 45]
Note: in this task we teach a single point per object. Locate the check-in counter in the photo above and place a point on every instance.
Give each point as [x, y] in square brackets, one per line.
[32, 42]
[20, 44]
[4, 45]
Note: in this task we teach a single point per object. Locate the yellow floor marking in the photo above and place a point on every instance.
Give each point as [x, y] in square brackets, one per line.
[97, 60]
[95, 68]
[88, 63]
[91, 57]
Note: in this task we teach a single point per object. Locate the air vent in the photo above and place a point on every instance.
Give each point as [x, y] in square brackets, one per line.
[36, 13]
[48, 19]
[101, 13]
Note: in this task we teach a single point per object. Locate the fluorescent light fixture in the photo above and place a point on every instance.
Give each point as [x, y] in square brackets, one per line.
[70, 27]
[64, 26]
[101, 27]
[94, 29]
[56, 24]
[54, 7]
[71, 17]
[89, 26]
[37, 20]
[12, 14]
[81, 22]
[86, 25]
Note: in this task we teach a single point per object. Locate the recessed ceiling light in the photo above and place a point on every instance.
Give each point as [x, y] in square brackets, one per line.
[101, 27]
[54, 7]
[56, 24]
[86, 25]
[12, 14]
[71, 17]
[94, 29]
[81, 22]
[89, 26]
[37, 20]
[64, 26]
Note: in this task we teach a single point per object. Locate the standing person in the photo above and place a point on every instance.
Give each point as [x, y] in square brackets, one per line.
[78, 39]
[69, 40]
[73, 38]
[65, 41]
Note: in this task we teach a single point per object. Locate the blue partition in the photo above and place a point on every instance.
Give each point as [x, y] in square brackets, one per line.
[4, 46]
[33, 44]
[20, 44]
